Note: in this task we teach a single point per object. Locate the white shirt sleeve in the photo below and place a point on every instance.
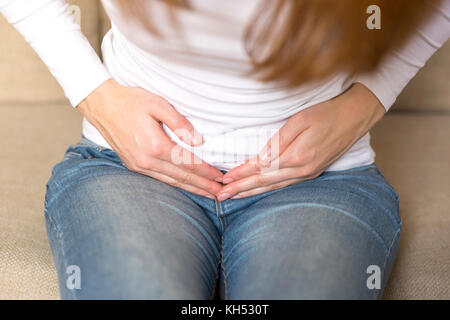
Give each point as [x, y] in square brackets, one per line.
[399, 67]
[49, 27]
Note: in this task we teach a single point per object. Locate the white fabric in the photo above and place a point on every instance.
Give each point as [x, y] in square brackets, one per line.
[202, 69]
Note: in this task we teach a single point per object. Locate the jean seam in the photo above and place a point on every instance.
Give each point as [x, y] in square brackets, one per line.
[359, 168]
[225, 295]
[60, 188]
[394, 220]
[390, 246]
[385, 186]
[63, 251]
[225, 216]
[211, 296]
[337, 211]
[223, 224]
[84, 142]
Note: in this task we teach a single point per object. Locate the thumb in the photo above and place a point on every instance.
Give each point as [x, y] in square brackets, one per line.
[181, 126]
[278, 143]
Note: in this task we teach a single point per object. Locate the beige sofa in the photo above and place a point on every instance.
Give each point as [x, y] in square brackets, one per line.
[37, 124]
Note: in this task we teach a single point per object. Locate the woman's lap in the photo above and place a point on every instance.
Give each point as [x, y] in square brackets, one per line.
[130, 235]
[135, 237]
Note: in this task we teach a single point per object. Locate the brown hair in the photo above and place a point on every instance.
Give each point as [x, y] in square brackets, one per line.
[297, 41]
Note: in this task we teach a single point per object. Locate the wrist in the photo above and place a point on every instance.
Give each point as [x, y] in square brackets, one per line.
[95, 98]
[363, 106]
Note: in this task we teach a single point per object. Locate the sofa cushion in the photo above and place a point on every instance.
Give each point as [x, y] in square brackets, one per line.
[429, 90]
[413, 151]
[105, 23]
[24, 78]
[33, 139]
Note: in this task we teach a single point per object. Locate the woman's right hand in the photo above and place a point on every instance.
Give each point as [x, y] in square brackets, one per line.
[130, 119]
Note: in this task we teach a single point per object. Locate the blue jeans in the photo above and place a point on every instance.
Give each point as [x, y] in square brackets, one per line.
[129, 236]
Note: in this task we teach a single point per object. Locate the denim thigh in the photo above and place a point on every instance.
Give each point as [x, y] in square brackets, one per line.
[333, 237]
[128, 235]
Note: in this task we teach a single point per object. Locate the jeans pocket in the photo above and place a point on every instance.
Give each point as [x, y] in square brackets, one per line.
[83, 155]
[86, 149]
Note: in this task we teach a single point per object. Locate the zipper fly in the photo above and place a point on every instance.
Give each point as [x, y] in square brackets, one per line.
[217, 202]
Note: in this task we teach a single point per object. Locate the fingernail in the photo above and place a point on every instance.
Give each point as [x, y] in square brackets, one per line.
[218, 179]
[211, 197]
[238, 196]
[223, 196]
[227, 180]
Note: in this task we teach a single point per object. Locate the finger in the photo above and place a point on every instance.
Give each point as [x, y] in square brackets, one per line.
[282, 139]
[268, 188]
[314, 156]
[177, 176]
[297, 153]
[178, 123]
[186, 177]
[163, 148]
[169, 180]
[247, 169]
[259, 180]
[186, 160]
[275, 147]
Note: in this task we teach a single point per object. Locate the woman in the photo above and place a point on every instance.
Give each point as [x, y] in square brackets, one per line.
[227, 142]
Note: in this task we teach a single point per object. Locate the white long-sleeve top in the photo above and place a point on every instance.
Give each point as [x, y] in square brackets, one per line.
[202, 69]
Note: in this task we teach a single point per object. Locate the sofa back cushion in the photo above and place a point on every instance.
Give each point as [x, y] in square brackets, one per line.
[430, 89]
[25, 79]
[23, 76]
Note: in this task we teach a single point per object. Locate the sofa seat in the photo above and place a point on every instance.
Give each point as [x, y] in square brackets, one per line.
[412, 151]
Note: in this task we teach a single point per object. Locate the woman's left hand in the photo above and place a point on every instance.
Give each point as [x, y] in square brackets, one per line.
[308, 143]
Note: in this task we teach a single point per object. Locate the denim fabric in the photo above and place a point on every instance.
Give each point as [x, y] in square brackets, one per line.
[134, 237]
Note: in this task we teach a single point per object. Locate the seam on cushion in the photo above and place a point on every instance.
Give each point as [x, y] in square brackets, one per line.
[100, 27]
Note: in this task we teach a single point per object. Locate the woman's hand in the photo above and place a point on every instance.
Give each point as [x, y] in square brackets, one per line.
[130, 120]
[308, 143]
